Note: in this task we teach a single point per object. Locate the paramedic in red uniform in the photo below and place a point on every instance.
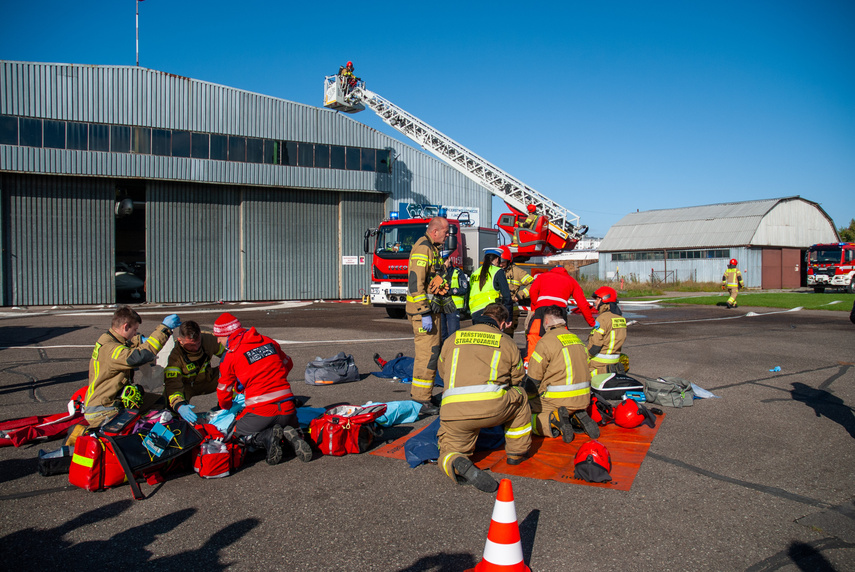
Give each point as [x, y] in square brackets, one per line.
[256, 366]
[553, 288]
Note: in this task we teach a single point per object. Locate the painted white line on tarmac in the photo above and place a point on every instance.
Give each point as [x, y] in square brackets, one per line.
[280, 342]
[746, 315]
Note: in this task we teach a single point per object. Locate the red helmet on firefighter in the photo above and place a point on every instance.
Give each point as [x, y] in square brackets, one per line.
[506, 253]
[593, 463]
[733, 262]
[607, 293]
[350, 64]
[531, 208]
[631, 414]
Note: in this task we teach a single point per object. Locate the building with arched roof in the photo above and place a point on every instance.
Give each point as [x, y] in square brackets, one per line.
[210, 192]
[768, 237]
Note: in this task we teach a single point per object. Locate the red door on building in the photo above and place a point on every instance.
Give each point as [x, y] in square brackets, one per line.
[791, 268]
[771, 268]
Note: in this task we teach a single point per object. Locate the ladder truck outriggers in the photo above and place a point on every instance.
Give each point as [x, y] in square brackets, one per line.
[554, 229]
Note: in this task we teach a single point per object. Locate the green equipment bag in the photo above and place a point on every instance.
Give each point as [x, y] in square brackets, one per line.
[669, 391]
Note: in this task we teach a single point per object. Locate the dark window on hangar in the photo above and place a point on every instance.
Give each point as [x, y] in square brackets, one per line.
[8, 130]
[77, 136]
[254, 150]
[120, 139]
[99, 137]
[307, 155]
[161, 142]
[336, 157]
[322, 156]
[237, 148]
[199, 145]
[141, 140]
[220, 147]
[353, 159]
[289, 153]
[368, 159]
[384, 161]
[180, 143]
[271, 152]
[54, 134]
[31, 132]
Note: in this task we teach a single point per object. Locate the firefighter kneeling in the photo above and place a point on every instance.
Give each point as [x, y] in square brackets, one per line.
[483, 373]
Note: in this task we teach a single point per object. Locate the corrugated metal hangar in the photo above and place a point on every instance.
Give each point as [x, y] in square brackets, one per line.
[211, 192]
[769, 238]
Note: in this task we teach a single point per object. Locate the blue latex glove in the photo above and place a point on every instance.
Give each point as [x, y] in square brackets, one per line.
[172, 321]
[596, 325]
[186, 413]
[143, 339]
[427, 323]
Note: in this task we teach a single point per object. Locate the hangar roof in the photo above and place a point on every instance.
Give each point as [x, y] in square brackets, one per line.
[785, 222]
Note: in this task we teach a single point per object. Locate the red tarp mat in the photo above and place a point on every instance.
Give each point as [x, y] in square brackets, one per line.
[553, 458]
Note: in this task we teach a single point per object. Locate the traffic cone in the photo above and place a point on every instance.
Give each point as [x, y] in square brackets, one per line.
[503, 551]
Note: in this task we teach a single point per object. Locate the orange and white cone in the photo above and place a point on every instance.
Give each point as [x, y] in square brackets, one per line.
[503, 551]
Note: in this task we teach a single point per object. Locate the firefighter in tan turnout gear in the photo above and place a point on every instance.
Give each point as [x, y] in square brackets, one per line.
[732, 282]
[425, 263]
[483, 373]
[117, 354]
[519, 282]
[559, 371]
[188, 371]
[609, 334]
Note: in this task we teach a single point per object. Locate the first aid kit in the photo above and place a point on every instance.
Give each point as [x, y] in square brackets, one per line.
[346, 429]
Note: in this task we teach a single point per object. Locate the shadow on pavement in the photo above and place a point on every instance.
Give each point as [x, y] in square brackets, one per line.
[825, 404]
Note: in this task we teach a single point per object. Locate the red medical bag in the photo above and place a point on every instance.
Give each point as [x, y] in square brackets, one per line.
[346, 429]
[94, 465]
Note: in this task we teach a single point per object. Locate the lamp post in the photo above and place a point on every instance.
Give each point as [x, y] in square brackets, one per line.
[137, 2]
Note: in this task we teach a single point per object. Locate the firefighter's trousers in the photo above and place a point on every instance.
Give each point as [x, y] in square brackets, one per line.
[427, 356]
[457, 438]
[515, 321]
[733, 293]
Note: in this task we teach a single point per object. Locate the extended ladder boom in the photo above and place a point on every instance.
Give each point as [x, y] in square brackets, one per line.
[511, 190]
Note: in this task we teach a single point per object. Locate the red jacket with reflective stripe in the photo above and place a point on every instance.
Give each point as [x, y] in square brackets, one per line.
[554, 288]
[260, 365]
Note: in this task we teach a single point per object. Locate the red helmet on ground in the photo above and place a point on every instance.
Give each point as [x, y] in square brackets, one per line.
[506, 253]
[631, 414]
[607, 293]
[531, 208]
[593, 463]
[733, 262]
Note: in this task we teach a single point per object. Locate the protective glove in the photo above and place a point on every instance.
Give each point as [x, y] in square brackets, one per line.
[427, 323]
[171, 321]
[596, 325]
[186, 413]
[143, 339]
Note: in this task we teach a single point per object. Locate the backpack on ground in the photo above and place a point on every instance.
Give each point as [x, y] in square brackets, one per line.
[612, 386]
[346, 429]
[340, 368]
[217, 456]
[669, 391]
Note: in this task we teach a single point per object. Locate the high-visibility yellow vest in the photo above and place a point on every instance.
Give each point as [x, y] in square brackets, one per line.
[455, 283]
[480, 299]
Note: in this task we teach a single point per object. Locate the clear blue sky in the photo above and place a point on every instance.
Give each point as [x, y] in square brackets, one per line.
[605, 107]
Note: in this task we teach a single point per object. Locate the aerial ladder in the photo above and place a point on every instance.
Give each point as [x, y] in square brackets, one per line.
[556, 229]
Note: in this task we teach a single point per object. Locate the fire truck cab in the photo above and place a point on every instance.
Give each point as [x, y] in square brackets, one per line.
[831, 266]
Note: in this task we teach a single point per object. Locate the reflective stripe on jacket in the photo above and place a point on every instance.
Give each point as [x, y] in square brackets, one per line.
[560, 364]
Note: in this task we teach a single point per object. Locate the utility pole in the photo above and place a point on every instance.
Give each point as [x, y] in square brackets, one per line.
[137, 2]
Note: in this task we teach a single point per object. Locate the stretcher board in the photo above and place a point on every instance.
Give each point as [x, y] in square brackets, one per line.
[552, 459]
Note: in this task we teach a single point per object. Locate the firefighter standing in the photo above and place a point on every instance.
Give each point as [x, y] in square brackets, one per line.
[483, 374]
[553, 288]
[732, 282]
[117, 354]
[424, 263]
[188, 371]
[519, 282]
[458, 283]
[256, 366]
[609, 334]
[488, 285]
[559, 371]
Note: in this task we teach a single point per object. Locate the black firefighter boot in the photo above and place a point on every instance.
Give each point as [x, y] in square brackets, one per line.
[301, 448]
[560, 420]
[583, 423]
[271, 440]
[468, 474]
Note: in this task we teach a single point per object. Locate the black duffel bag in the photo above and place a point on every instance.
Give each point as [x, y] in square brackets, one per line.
[340, 368]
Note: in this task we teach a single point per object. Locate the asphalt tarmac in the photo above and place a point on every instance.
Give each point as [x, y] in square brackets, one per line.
[759, 479]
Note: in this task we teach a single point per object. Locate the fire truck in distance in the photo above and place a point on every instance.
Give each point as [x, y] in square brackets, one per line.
[831, 266]
[393, 241]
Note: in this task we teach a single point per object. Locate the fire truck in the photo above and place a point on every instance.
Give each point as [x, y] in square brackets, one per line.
[536, 225]
[831, 266]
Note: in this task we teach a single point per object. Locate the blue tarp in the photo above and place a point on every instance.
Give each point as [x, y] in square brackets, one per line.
[423, 447]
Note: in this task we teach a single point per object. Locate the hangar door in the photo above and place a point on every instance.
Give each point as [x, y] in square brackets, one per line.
[58, 238]
[781, 268]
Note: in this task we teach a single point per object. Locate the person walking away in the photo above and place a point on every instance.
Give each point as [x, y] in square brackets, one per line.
[483, 374]
[425, 263]
[188, 370]
[256, 366]
[732, 282]
[117, 355]
[609, 334]
[553, 288]
[558, 374]
[519, 282]
[458, 283]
